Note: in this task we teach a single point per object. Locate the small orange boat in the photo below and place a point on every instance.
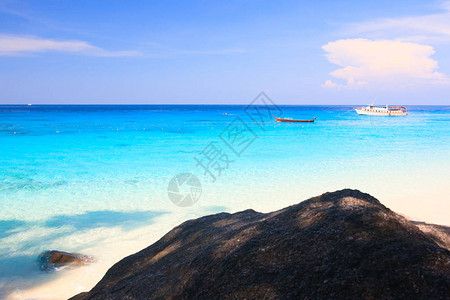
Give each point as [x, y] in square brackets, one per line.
[292, 120]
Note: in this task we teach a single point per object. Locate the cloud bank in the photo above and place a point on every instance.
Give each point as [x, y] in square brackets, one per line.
[384, 63]
[11, 45]
[431, 28]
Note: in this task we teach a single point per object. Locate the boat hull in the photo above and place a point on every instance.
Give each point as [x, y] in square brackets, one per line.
[381, 114]
[294, 121]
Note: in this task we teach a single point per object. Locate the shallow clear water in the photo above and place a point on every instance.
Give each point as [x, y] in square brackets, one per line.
[94, 178]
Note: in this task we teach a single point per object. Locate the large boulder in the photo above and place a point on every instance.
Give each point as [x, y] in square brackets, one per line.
[344, 244]
[49, 260]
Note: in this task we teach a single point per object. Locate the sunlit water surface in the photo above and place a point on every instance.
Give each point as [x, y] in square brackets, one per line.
[93, 179]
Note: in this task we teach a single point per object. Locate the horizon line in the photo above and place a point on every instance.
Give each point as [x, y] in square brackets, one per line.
[205, 104]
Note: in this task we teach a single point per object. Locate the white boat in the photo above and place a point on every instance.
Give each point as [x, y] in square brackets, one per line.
[387, 110]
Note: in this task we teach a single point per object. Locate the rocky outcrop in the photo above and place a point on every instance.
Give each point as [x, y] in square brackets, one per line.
[438, 233]
[344, 244]
[49, 260]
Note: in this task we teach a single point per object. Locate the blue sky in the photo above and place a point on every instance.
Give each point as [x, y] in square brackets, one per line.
[224, 52]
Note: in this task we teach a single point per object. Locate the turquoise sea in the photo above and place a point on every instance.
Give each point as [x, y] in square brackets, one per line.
[93, 179]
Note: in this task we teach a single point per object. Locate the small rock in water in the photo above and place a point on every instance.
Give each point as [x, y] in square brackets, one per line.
[49, 260]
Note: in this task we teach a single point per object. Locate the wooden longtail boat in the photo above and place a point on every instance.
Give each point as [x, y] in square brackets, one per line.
[292, 120]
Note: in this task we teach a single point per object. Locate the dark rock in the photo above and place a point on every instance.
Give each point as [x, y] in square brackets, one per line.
[344, 244]
[439, 233]
[49, 260]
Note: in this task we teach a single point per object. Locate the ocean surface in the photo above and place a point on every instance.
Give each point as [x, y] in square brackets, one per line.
[94, 179]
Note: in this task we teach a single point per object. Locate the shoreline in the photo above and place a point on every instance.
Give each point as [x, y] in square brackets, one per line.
[317, 247]
[109, 251]
[104, 186]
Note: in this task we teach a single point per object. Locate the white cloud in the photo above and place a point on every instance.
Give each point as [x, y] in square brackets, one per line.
[11, 45]
[434, 28]
[384, 63]
[329, 84]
